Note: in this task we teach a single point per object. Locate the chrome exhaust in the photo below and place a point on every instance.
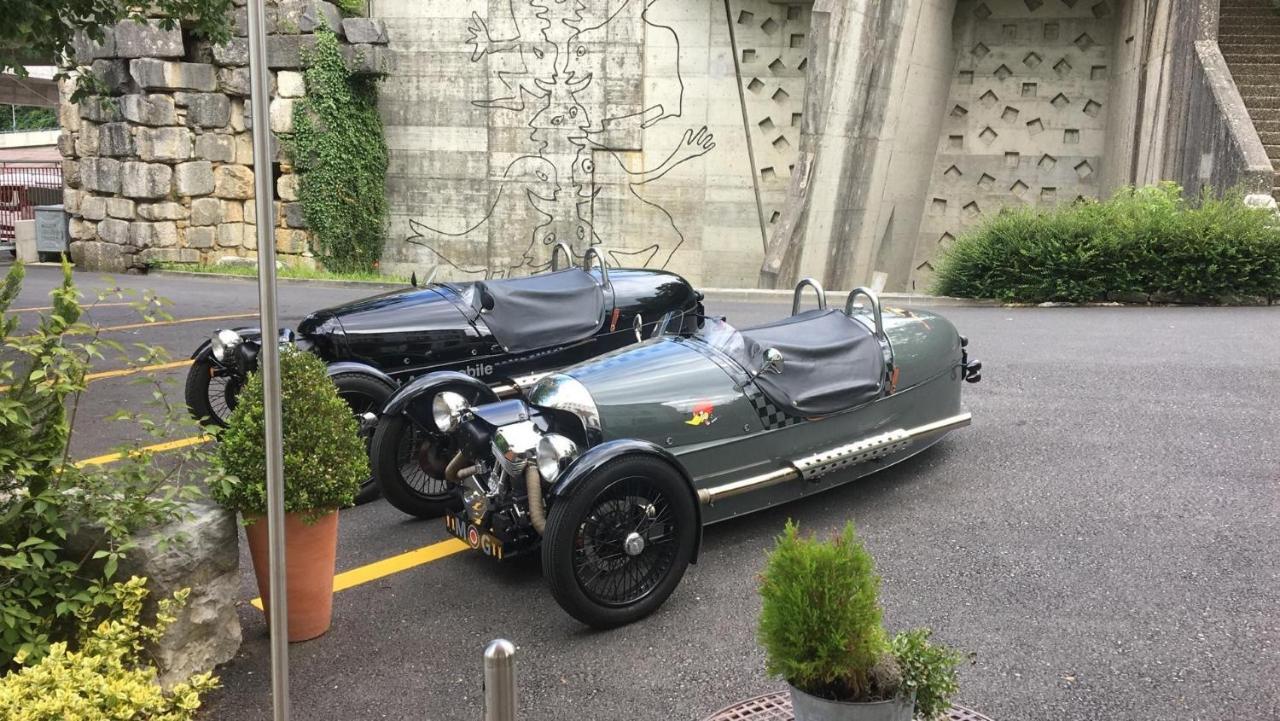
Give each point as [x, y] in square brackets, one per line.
[813, 467]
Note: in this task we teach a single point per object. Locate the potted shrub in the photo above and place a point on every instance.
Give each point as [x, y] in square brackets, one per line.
[821, 629]
[324, 462]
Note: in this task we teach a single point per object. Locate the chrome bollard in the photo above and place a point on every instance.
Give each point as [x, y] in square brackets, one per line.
[500, 681]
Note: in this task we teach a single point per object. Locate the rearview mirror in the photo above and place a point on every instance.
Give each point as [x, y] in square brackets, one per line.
[772, 361]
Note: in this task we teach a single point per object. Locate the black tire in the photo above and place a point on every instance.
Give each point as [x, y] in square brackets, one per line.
[586, 532]
[211, 392]
[364, 394]
[395, 454]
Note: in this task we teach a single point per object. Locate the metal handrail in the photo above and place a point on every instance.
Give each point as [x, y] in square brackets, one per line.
[561, 246]
[817, 287]
[604, 267]
[876, 313]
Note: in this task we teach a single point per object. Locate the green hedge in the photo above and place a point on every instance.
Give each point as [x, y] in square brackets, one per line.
[1142, 243]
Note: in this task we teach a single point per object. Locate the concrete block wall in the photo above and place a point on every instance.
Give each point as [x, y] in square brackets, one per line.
[516, 125]
[159, 169]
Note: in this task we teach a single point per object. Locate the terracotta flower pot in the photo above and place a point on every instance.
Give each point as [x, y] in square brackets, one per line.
[310, 556]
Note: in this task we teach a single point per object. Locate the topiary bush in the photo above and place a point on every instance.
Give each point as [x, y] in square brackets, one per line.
[820, 625]
[109, 675]
[1145, 242]
[820, 621]
[324, 458]
[341, 158]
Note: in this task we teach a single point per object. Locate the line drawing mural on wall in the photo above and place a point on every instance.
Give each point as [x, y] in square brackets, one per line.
[544, 58]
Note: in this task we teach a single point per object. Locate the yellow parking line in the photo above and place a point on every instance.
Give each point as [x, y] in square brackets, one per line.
[176, 321]
[121, 372]
[390, 566]
[89, 306]
[157, 448]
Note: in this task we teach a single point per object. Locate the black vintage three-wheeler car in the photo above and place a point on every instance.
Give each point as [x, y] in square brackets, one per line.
[612, 467]
[503, 334]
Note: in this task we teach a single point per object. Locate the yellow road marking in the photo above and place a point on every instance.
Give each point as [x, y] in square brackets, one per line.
[161, 323]
[89, 306]
[390, 566]
[157, 448]
[121, 372]
[176, 321]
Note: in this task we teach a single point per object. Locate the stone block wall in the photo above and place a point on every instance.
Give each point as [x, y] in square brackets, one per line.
[160, 168]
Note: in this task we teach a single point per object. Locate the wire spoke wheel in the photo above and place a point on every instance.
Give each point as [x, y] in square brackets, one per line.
[224, 388]
[422, 462]
[626, 544]
[617, 544]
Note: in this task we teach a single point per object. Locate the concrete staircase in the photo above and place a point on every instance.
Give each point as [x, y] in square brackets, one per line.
[1249, 35]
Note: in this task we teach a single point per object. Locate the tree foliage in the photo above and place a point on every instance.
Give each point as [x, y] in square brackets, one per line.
[341, 158]
[324, 458]
[1142, 242]
[43, 32]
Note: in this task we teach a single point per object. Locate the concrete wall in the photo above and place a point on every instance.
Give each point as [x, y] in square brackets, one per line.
[1175, 113]
[627, 124]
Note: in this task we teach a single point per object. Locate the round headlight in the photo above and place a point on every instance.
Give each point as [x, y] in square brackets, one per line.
[447, 409]
[554, 453]
[224, 343]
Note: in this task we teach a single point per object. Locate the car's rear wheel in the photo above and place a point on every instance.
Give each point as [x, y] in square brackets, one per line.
[408, 464]
[211, 392]
[618, 545]
[364, 394]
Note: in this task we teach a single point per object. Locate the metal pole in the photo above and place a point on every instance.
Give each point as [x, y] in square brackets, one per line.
[500, 681]
[259, 94]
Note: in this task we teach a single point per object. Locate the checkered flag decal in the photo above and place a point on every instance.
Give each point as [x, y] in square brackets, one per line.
[771, 416]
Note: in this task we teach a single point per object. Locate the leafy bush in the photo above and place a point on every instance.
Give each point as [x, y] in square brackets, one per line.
[928, 671]
[64, 529]
[1146, 242]
[108, 676]
[324, 457]
[341, 158]
[820, 626]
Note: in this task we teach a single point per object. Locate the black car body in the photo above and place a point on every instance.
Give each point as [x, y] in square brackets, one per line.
[376, 345]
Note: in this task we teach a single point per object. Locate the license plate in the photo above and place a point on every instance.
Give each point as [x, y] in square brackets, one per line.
[476, 538]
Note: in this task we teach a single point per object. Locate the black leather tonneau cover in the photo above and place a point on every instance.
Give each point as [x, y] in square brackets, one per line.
[541, 310]
[831, 362]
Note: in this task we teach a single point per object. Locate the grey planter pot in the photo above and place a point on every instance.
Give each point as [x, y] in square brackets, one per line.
[812, 708]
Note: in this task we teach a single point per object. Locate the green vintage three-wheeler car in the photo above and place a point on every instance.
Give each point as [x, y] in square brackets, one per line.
[613, 466]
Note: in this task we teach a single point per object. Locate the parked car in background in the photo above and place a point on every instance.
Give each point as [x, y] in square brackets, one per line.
[611, 468]
[503, 334]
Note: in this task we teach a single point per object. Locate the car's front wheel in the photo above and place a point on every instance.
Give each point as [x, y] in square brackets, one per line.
[617, 546]
[364, 394]
[211, 391]
[408, 465]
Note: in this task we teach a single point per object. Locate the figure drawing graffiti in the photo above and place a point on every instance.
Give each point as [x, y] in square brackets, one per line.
[546, 60]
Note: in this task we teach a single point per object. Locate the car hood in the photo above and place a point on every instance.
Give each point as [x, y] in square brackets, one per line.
[400, 311]
[668, 390]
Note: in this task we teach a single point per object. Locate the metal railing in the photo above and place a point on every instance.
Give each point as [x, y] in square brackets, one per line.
[23, 186]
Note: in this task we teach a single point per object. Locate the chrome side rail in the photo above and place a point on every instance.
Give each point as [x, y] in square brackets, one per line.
[813, 467]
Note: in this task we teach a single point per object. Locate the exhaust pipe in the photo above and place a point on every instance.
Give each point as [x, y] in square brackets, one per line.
[813, 467]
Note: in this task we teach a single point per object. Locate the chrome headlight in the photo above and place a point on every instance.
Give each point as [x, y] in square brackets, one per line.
[554, 453]
[447, 409]
[224, 343]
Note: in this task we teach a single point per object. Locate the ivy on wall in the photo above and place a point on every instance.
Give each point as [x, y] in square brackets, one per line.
[341, 160]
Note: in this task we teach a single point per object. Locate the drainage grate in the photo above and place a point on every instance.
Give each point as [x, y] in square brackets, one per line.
[777, 707]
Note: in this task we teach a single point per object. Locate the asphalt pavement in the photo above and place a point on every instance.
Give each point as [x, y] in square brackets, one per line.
[1102, 540]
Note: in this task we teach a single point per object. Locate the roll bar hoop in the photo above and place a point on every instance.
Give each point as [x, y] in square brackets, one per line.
[817, 287]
